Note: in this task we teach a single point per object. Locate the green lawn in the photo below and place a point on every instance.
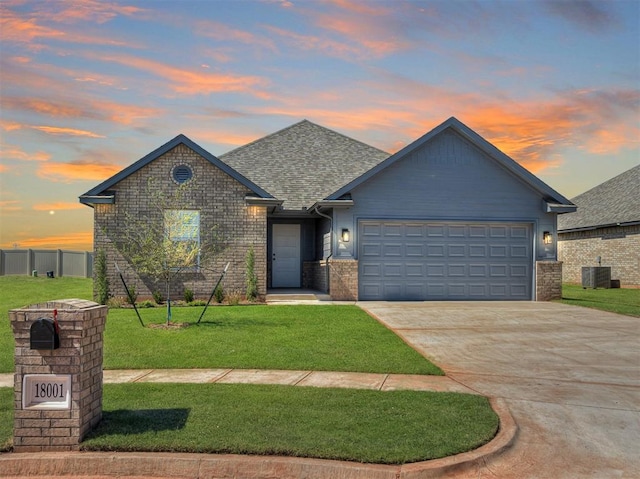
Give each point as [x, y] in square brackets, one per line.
[320, 338]
[328, 338]
[19, 291]
[616, 300]
[356, 425]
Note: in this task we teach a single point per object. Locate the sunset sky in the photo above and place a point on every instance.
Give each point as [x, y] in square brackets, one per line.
[89, 87]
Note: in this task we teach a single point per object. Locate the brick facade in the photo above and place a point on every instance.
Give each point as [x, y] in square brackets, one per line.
[343, 280]
[618, 247]
[548, 280]
[314, 275]
[221, 202]
[79, 355]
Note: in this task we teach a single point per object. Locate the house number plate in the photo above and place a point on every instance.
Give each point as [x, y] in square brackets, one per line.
[46, 391]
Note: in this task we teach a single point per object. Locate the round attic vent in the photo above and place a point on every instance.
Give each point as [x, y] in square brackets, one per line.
[182, 173]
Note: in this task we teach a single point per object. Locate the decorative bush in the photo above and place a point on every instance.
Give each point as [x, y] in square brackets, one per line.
[102, 280]
[252, 279]
[188, 295]
[219, 294]
[157, 297]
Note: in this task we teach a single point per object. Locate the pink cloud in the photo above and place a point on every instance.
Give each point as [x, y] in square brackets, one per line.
[54, 130]
[75, 171]
[192, 82]
[13, 152]
[57, 206]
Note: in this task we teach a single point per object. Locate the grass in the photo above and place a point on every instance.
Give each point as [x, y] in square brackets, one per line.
[19, 291]
[6, 418]
[320, 338]
[356, 425]
[616, 300]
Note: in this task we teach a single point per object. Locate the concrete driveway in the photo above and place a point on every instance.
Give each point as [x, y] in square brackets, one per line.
[570, 376]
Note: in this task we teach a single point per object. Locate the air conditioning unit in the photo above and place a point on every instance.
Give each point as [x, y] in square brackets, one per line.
[596, 277]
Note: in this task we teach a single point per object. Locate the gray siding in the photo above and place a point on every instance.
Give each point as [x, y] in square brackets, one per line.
[448, 178]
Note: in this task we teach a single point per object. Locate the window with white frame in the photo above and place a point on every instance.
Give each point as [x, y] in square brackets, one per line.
[182, 229]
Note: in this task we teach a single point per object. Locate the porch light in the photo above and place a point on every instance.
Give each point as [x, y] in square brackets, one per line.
[547, 237]
[345, 235]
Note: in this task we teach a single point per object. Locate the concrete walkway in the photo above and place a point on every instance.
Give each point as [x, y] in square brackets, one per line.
[217, 466]
[569, 375]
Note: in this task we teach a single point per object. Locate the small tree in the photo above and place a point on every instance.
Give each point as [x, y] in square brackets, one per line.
[252, 279]
[168, 240]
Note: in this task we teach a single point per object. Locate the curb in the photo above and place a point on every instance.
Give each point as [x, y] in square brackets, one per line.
[203, 466]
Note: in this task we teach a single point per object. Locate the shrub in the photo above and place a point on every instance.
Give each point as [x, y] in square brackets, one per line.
[252, 279]
[133, 294]
[147, 303]
[102, 280]
[188, 295]
[218, 294]
[157, 297]
[234, 298]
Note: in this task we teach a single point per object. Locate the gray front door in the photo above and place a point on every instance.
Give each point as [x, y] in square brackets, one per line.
[420, 260]
[285, 257]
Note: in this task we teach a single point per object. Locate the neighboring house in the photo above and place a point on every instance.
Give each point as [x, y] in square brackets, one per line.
[606, 226]
[448, 217]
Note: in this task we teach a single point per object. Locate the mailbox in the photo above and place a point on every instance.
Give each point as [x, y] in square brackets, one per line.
[44, 334]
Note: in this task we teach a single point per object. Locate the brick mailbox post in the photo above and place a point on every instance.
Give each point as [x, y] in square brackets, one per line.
[58, 377]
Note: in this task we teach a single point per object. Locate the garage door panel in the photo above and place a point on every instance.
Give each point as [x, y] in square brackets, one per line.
[414, 260]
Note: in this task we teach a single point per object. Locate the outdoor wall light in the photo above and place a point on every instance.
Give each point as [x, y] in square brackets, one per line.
[547, 237]
[345, 235]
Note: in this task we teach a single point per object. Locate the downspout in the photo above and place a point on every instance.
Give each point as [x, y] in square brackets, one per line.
[326, 261]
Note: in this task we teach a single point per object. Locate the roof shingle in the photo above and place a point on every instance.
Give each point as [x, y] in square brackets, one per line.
[303, 163]
[616, 201]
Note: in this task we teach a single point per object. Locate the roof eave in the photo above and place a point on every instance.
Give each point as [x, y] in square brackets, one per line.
[560, 208]
[596, 227]
[98, 199]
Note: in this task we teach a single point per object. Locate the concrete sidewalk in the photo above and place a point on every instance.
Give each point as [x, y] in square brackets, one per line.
[183, 466]
[326, 379]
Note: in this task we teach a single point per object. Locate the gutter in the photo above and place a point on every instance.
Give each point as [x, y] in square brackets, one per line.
[326, 261]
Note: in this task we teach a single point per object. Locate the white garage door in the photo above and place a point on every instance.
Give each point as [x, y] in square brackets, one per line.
[416, 260]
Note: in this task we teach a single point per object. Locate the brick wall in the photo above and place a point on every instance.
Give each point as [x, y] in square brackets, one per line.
[343, 280]
[220, 200]
[548, 280]
[618, 247]
[79, 355]
[314, 275]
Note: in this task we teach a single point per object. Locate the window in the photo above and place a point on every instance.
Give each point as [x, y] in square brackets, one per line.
[182, 229]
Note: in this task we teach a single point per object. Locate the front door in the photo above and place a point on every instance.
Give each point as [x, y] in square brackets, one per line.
[285, 257]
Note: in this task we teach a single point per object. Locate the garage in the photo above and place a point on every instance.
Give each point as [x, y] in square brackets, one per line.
[437, 260]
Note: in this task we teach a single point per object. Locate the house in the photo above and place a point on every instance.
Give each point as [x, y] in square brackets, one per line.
[448, 217]
[606, 226]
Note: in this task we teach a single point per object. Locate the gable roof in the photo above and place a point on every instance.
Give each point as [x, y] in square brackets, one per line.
[303, 163]
[95, 194]
[555, 201]
[612, 203]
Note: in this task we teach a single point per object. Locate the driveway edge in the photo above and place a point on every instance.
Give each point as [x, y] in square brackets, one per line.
[191, 465]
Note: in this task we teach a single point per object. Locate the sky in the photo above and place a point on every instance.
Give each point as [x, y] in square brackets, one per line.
[88, 87]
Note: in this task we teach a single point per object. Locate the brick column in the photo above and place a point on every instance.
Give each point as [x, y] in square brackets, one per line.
[343, 280]
[52, 425]
[548, 280]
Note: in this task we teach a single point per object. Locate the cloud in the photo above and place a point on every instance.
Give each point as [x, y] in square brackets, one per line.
[30, 30]
[14, 152]
[73, 11]
[191, 82]
[54, 130]
[223, 32]
[57, 206]
[80, 109]
[75, 171]
[75, 240]
[10, 206]
[595, 17]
